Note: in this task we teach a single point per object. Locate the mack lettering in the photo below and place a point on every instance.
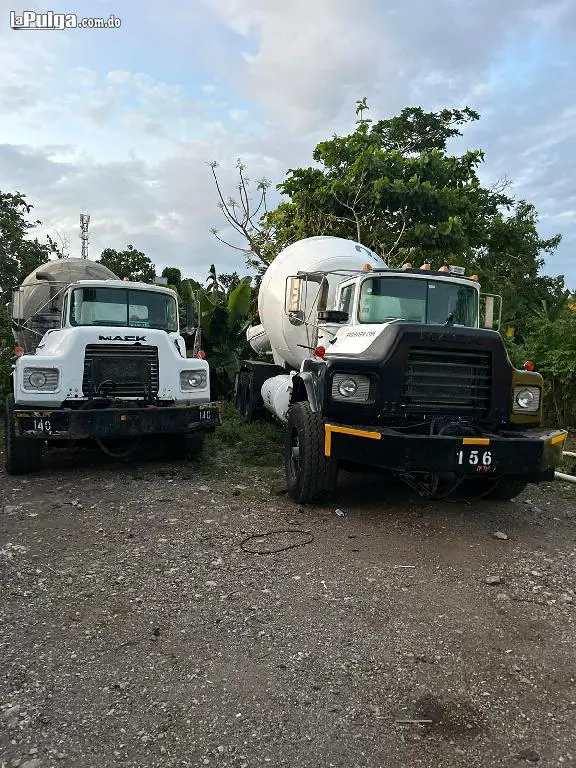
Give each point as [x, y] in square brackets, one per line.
[122, 338]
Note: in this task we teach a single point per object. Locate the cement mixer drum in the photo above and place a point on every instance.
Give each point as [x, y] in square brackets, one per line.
[37, 303]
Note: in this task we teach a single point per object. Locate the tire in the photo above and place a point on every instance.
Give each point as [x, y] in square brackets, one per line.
[237, 391]
[241, 393]
[310, 476]
[22, 455]
[182, 447]
[194, 445]
[506, 489]
[250, 407]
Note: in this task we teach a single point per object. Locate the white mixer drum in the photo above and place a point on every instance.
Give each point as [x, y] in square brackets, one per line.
[313, 254]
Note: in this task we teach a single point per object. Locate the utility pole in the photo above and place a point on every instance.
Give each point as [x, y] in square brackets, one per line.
[84, 224]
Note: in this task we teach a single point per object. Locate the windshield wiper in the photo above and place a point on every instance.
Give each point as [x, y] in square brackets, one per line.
[450, 319]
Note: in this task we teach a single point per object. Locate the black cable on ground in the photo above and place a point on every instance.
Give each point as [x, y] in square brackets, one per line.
[276, 533]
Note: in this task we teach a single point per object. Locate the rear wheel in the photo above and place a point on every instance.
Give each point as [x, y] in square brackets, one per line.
[310, 475]
[241, 392]
[505, 489]
[251, 402]
[22, 455]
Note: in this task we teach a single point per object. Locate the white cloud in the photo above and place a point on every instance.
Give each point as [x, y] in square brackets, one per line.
[123, 129]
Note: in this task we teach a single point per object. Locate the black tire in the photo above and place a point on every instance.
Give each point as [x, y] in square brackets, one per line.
[237, 391]
[506, 489]
[194, 445]
[182, 447]
[250, 406]
[241, 393]
[22, 455]
[310, 476]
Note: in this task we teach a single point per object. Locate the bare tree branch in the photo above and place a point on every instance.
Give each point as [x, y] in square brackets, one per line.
[386, 256]
[236, 247]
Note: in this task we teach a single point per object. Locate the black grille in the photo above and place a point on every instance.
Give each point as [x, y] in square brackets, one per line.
[127, 371]
[441, 381]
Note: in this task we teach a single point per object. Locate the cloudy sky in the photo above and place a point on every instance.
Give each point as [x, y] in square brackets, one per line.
[121, 122]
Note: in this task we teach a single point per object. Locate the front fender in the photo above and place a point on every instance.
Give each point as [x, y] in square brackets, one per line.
[306, 383]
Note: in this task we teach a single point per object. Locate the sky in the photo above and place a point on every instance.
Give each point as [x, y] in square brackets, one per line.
[122, 123]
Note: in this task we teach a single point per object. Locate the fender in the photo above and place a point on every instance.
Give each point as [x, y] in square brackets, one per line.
[309, 382]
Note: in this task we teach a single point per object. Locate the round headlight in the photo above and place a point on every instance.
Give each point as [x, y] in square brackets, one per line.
[525, 398]
[37, 379]
[347, 387]
[194, 379]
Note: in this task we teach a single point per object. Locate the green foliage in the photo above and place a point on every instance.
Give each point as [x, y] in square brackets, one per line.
[258, 444]
[224, 317]
[173, 274]
[392, 186]
[19, 255]
[509, 264]
[551, 344]
[129, 263]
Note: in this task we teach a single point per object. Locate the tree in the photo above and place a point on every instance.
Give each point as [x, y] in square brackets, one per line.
[173, 274]
[224, 316]
[129, 263]
[551, 343]
[509, 264]
[393, 186]
[242, 215]
[19, 255]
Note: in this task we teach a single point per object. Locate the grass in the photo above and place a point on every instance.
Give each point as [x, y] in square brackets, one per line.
[259, 444]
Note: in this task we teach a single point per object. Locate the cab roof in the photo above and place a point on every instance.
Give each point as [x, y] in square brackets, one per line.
[133, 286]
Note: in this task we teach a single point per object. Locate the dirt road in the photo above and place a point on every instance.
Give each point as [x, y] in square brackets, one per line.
[136, 631]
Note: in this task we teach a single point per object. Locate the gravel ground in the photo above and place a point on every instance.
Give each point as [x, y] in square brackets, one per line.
[135, 630]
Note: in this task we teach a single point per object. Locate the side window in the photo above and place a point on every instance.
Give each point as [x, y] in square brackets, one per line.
[294, 297]
[295, 300]
[346, 296]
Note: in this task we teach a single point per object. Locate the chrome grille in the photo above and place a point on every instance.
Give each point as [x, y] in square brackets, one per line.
[127, 371]
[447, 381]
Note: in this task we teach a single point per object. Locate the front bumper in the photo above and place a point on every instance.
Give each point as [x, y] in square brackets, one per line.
[69, 424]
[532, 455]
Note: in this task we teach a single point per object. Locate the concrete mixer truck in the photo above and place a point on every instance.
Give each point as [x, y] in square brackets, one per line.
[396, 369]
[101, 359]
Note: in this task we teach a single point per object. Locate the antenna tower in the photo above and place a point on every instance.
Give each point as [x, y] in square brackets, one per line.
[84, 224]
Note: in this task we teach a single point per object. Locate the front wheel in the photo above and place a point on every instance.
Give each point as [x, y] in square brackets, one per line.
[310, 475]
[182, 447]
[22, 455]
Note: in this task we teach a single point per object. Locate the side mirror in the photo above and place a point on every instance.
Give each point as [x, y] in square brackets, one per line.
[333, 316]
[490, 311]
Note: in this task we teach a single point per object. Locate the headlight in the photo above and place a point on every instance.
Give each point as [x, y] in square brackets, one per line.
[41, 379]
[355, 388]
[526, 399]
[193, 380]
[347, 387]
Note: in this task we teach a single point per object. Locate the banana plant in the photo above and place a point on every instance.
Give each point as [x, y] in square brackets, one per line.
[223, 319]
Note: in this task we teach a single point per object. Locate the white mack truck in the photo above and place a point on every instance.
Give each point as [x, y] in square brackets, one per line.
[101, 359]
[390, 368]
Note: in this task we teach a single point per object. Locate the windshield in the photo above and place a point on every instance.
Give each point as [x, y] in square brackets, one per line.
[419, 301]
[123, 307]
